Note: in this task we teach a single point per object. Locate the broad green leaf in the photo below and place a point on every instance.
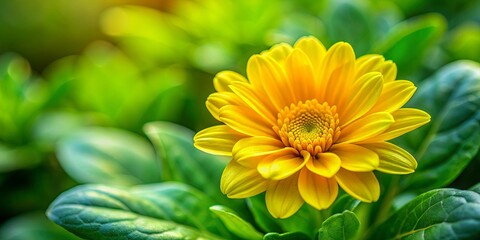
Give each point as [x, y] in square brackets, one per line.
[108, 156]
[33, 226]
[157, 211]
[408, 42]
[182, 162]
[448, 143]
[437, 214]
[340, 226]
[286, 236]
[235, 224]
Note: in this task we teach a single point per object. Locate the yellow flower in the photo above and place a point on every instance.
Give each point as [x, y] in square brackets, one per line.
[308, 120]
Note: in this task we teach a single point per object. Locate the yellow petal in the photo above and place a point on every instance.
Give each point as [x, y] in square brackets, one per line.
[325, 164]
[244, 121]
[250, 151]
[253, 100]
[365, 93]
[217, 100]
[217, 140]
[356, 158]
[313, 48]
[394, 95]
[267, 75]
[318, 191]
[300, 76]
[223, 79]
[337, 73]
[376, 63]
[406, 120]
[282, 197]
[393, 159]
[279, 52]
[363, 186]
[240, 182]
[281, 164]
[365, 127]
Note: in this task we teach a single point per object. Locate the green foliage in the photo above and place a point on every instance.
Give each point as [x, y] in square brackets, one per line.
[182, 162]
[408, 42]
[82, 114]
[108, 156]
[449, 142]
[437, 214]
[22, 98]
[160, 211]
[235, 224]
[339, 226]
[33, 226]
[286, 236]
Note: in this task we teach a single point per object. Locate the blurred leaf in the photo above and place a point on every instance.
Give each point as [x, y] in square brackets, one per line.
[409, 41]
[448, 143]
[349, 21]
[262, 217]
[302, 221]
[235, 224]
[182, 162]
[160, 211]
[476, 188]
[339, 226]
[109, 156]
[50, 127]
[344, 202]
[18, 158]
[437, 214]
[33, 226]
[464, 42]
[286, 236]
[21, 98]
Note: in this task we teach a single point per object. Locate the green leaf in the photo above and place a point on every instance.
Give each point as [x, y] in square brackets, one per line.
[358, 31]
[303, 221]
[50, 127]
[235, 224]
[18, 158]
[476, 188]
[344, 202]
[286, 236]
[437, 214]
[339, 226]
[108, 156]
[450, 141]
[33, 226]
[262, 217]
[22, 97]
[159, 211]
[182, 162]
[408, 42]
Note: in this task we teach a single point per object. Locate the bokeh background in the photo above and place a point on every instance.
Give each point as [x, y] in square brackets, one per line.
[70, 65]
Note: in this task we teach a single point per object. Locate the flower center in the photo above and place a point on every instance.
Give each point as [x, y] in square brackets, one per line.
[309, 126]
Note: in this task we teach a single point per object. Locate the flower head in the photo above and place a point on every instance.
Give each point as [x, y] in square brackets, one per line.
[308, 120]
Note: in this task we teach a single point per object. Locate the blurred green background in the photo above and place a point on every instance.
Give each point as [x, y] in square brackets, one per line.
[70, 65]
